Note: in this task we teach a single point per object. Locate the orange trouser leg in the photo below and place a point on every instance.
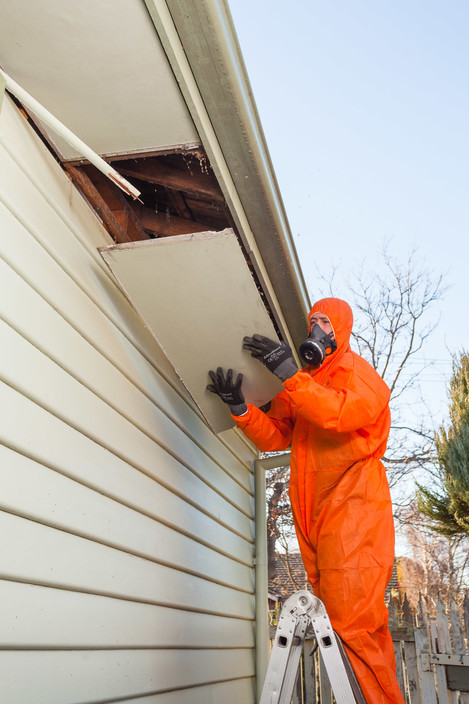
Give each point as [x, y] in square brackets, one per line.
[352, 597]
[348, 554]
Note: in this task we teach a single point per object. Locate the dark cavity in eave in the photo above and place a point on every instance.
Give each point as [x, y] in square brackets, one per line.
[179, 195]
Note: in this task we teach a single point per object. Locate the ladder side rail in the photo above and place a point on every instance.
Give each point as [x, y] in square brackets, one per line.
[291, 672]
[285, 656]
[332, 658]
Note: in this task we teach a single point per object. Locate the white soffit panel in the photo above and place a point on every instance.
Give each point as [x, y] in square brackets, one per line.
[99, 67]
[198, 298]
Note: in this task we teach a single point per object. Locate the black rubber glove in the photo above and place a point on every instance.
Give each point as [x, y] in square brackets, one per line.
[276, 356]
[229, 391]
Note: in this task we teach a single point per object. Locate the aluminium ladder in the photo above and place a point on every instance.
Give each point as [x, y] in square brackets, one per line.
[300, 610]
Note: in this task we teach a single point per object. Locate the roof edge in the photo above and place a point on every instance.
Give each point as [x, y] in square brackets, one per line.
[207, 36]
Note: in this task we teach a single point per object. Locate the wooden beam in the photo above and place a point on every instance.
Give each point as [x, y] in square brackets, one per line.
[97, 202]
[179, 204]
[116, 213]
[165, 225]
[198, 184]
[205, 212]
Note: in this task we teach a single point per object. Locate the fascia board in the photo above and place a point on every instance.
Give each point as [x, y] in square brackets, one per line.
[201, 45]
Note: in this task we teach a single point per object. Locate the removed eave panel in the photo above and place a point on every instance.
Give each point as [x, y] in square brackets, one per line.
[198, 298]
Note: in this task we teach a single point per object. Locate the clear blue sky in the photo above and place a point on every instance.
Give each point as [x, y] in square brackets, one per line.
[365, 109]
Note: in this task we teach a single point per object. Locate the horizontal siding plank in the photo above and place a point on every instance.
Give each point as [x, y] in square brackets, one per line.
[68, 677]
[231, 692]
[27, 428]
[38, 493]
[33, 374]
[50, 557]
[40, 324]
[98, 326]
[71, 454]
[169, 433]
[176, 412]
[34, 202]
[40, 617]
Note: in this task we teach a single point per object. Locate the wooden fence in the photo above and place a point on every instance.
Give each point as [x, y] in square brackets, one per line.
[432, 657]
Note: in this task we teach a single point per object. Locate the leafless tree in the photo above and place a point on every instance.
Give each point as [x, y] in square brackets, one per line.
[279, 520]
[437, 565]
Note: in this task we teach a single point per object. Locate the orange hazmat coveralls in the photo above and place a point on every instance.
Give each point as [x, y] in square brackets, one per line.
[336, 418]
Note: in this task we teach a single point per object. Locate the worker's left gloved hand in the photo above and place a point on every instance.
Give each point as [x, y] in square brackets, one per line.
[276, 356]
[228, 390]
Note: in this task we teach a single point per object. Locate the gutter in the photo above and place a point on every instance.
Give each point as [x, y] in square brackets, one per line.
[262, 580]
[201, 45]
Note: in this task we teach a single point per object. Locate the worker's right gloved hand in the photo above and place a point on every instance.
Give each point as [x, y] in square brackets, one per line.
[276, 356]
[228, 390]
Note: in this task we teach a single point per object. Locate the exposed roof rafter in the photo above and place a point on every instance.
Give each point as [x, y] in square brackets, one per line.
[179, 195]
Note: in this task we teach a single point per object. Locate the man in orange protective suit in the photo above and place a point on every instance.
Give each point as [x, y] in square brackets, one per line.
[335, 415]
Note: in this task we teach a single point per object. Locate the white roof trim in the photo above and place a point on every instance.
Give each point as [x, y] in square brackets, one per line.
[201, 46]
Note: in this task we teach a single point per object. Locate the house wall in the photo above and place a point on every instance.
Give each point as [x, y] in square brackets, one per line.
[126, 525]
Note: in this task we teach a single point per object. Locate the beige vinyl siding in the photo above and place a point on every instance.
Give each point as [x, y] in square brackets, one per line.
[126, 525]
[110, 675]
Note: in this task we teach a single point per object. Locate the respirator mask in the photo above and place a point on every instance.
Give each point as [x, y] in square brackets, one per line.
[317, 346]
